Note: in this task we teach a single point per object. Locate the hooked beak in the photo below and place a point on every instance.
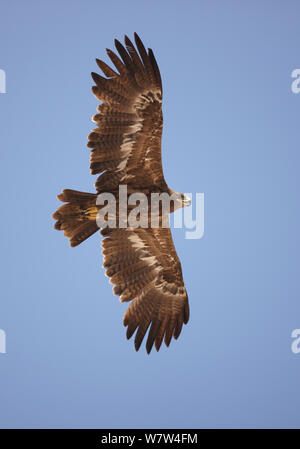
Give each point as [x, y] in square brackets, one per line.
[186, 201]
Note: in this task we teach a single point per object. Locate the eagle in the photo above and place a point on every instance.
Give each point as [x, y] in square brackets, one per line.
[140, 261]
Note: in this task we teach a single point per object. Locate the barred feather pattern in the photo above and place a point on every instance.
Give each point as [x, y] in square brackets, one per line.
[146, 271]
[126, 145]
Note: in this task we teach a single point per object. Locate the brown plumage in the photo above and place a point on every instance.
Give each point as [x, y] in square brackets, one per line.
[126, 150]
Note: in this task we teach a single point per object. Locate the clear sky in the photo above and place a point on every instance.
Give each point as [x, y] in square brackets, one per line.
[231, 130]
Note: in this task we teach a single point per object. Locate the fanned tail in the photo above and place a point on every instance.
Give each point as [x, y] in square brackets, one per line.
[77, 218]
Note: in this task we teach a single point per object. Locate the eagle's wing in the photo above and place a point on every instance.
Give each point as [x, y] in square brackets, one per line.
[145, 269]
[126, 146]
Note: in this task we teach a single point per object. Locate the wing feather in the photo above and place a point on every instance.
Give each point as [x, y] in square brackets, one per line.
[145, 269]
[126, 145]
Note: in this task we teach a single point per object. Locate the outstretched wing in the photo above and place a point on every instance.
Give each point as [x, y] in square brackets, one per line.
[145, 269]
[126, 145]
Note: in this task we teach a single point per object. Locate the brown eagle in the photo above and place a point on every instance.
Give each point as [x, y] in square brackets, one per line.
[141, 262]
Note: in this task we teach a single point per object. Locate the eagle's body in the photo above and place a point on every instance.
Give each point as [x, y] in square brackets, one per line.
[126, 150]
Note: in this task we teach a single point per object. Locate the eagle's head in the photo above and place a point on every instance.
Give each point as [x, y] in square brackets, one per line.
[185, 200]
[180, 199]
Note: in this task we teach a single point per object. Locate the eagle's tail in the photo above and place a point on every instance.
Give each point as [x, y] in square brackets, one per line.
[77, 218]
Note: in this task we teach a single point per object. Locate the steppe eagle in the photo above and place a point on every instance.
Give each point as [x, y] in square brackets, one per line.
[142, 263]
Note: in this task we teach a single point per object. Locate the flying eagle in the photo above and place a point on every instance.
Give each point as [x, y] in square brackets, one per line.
[141, 262]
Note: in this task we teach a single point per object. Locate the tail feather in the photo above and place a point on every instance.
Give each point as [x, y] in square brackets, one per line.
[74, 217]
[74, 196]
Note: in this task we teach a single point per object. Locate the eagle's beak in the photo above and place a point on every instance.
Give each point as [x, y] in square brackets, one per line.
[186, 201]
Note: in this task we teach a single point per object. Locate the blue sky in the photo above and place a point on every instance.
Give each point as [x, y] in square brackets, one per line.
[231, 130]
